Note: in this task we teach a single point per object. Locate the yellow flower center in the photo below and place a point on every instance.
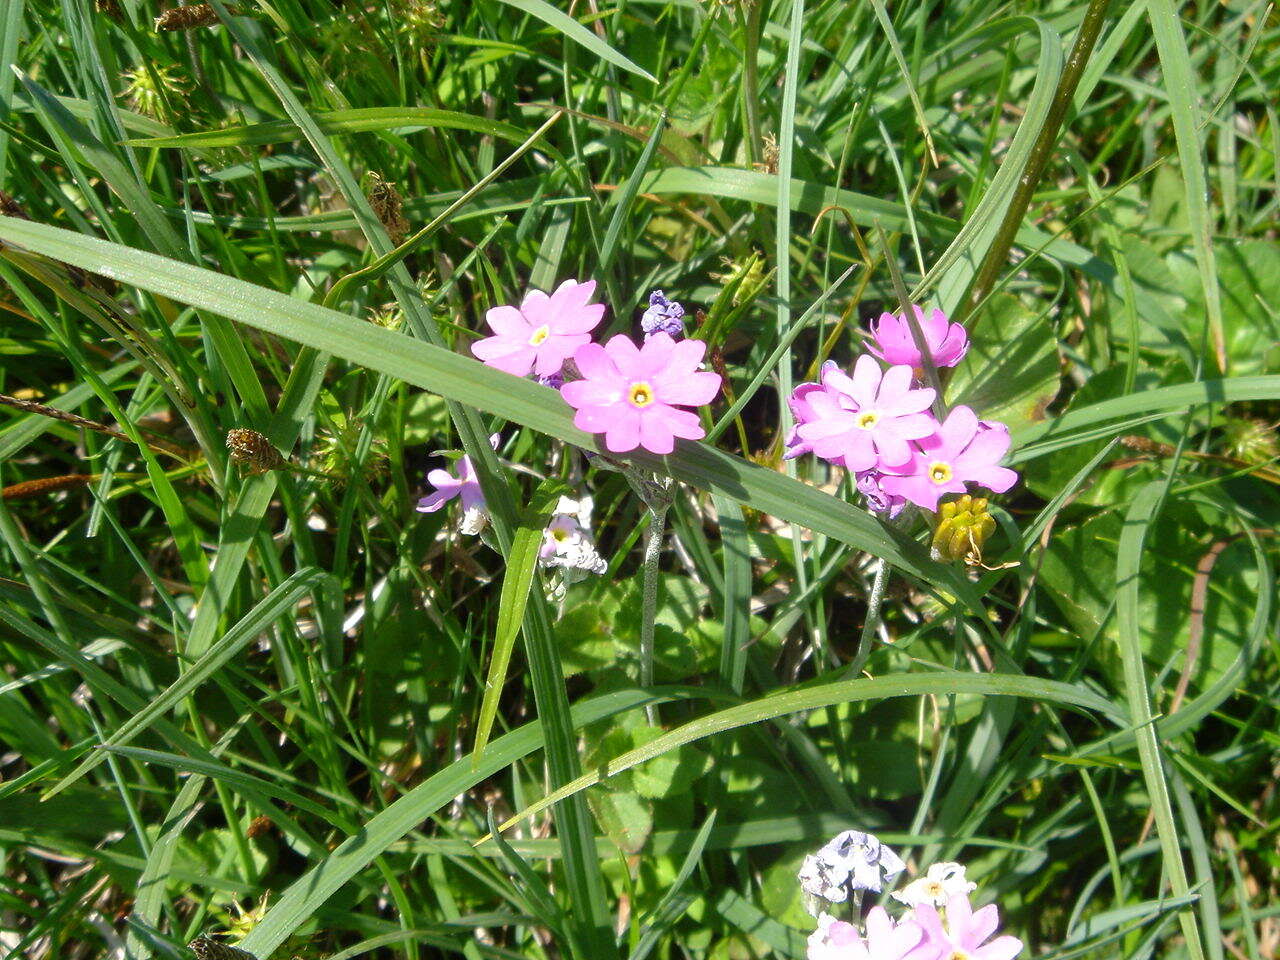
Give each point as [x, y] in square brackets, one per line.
[867, 419]
[559, 534]
[640, 394]
[939, 472]
[959, 955]
[934, 889]
[539, 335]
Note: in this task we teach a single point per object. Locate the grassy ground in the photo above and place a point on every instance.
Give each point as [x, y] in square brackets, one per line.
[247, 702]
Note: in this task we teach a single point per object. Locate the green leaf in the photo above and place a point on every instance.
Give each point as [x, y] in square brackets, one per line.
[521, 566]
[579, 34]
[823, 695]
[361, 120]
[1011, 372]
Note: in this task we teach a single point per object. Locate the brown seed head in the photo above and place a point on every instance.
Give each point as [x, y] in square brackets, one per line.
[253, 451]
[188, 17]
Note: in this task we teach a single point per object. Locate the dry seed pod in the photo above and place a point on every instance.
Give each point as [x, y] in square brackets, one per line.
[1147, 445]
[253, 451]
[387, 205]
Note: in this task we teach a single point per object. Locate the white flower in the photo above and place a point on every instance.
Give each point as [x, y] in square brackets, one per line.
[850, 861]
[940, 882]
[567, 545]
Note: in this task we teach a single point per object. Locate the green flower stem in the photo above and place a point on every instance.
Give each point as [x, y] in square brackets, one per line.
[875, 600]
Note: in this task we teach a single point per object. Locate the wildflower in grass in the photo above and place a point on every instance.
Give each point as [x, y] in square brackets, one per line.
[884, 940]
[962, 450]
[893, 342]
[663, 316]
[877, 499]
[566, 543]
[850, 861]
[631, 394]
[941, 882]
[465, 487]
[965, 935]
[867, 420]
[543, 332]
[802, 412]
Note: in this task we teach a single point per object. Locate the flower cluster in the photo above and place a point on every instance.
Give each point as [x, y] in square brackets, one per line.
[633, 395]
[938, 922]
[877, 423]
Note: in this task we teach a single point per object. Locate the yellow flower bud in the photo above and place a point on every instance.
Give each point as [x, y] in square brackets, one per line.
[963, 527]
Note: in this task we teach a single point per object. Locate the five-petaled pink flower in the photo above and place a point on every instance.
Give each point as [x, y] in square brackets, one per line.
[543, 333]
[631, 394]
[867, 419]
[893, 342]
[963, 449]
[885, 940]
[965, 935]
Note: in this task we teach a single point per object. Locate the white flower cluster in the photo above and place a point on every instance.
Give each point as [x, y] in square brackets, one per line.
[567, 543]
[849, 862]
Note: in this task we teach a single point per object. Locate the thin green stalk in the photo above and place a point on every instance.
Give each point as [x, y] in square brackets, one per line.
[870, 625]
[994, 262]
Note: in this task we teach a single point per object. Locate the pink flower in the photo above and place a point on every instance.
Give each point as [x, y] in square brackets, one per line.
[802, 412]
[962, 450]
[465, 486]
[867, 419]
[630, 395]
[543, 333]
[965, 933]
[885, 940]
[947, 342]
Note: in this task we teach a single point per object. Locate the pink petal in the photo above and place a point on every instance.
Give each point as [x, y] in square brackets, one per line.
[892, 448]
[441, 479]
[858, 450]
[915, 426]
[580, 320]
[623, 433]
[826, 427]
[655, 357]
[655, 435]
[983, 924]
[592, 393]
[989, 446]
[572, 295]
[688, 354]
[625, 356]
[536, 307]
[919, 490]
[1001, 948]
[508, 322]
[958, 429]
[502, 355]
[595, 363]
[692, 389]
[895, 382]
[865, 381]
[682, 423]
[995, 479]
[959, 913]
[595, 419]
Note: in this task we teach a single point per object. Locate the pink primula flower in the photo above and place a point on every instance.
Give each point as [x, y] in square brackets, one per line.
[631, 394]
[867, 419]
[802, 412]
[543, 333]
[962, 450]
[893, 342]
[885, 940]
[965, 935]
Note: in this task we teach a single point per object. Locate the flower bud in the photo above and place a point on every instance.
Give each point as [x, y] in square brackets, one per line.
[963, 527]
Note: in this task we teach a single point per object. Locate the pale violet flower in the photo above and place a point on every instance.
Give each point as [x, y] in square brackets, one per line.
[850, 861]
[663, 316]
[941, 882]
